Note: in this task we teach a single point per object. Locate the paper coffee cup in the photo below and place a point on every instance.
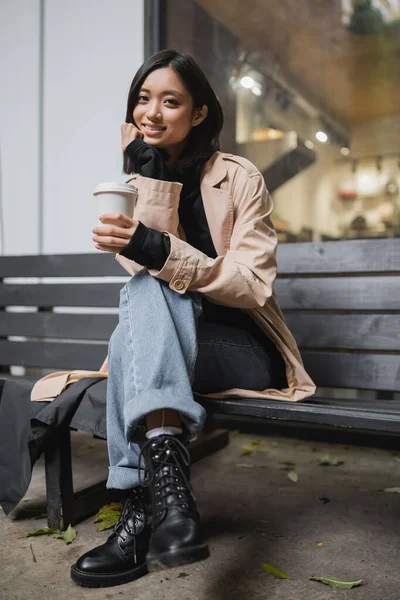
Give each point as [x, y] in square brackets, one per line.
[115, 197]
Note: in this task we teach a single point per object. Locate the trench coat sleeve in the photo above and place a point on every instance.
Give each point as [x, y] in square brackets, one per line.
[244, 277]
[157, 204]
[156, 207]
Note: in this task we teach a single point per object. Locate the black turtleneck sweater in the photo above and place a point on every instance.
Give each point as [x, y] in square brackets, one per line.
[150, 248]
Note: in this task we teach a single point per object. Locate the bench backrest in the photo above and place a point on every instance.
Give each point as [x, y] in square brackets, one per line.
[58, 340]
[341, 300]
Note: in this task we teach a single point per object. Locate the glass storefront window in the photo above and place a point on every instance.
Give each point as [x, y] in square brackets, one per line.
[311, 95]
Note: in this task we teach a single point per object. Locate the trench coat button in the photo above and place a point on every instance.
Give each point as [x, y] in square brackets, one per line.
[179, 285]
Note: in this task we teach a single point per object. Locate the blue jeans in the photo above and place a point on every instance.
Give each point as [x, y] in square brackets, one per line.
[160, 352]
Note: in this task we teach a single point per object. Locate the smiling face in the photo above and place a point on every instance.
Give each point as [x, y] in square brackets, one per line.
[165, 113]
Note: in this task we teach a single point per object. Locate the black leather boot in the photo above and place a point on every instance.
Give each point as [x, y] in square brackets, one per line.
[123, 556]
[177, 538]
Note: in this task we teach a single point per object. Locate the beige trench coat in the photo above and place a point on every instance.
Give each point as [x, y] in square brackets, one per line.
[238, 207]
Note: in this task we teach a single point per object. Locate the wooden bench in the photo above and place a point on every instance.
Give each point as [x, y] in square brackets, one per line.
[341, 300]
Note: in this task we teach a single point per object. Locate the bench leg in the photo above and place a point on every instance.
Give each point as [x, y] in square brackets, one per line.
[208, 441]
[64, 507]
[59, 485]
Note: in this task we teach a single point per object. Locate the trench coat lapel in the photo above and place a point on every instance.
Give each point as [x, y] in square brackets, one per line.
[218, 205]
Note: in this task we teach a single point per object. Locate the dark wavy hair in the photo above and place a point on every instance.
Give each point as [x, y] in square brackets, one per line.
[203, 139]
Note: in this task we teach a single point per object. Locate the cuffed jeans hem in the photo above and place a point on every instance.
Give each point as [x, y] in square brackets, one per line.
[193, 414]
[122, 478]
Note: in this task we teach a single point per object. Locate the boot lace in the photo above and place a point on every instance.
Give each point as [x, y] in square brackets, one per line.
[132, 511]
[166, 461]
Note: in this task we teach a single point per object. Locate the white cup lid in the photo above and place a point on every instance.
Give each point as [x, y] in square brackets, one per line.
[115, 186]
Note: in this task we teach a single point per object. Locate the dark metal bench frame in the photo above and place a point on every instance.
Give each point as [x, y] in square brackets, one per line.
[341, 300]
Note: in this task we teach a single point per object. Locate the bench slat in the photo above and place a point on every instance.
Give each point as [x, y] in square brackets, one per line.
[60, 294]
[362, 371]
[53, 355]
[368, 371]
[364, 332]
[341, 293]
[347, 256]
[96, 264]
[358, 293]
[55, 325]
[345, 331]
[308, 412]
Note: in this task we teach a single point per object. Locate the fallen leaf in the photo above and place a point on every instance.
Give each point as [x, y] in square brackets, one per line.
[328, 461]
[108, 516]
[255, 446]
[320, 544]
[275, 571]
[107, 524]
[43, 531]
[393, 490]
[69, 534]
[246, 450]
[293, 476]
[107, 510]
[41, 516]
[333, 582]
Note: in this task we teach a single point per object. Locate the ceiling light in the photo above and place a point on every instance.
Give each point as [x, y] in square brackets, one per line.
[309, 144]
[247, 82]
[345, 151]
[321, 137]
[256, 90]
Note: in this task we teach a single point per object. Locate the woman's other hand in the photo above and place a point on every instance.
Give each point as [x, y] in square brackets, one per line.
[115, 233]
[129, 133]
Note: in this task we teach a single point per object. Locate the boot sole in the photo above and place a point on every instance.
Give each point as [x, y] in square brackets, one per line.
[169, 560]
[99, 580]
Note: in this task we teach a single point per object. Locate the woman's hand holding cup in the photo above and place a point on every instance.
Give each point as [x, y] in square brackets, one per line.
[115, 234]
[129, 133]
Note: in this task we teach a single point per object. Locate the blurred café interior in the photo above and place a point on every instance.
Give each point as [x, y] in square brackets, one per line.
[311, 95]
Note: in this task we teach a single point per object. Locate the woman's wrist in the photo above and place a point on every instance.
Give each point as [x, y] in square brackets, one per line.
[148, 247]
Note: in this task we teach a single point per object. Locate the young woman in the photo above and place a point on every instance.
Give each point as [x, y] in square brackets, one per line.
[198, 314]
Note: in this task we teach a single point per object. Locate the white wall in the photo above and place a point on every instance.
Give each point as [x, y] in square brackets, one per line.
[19, 125]
[91, 52]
